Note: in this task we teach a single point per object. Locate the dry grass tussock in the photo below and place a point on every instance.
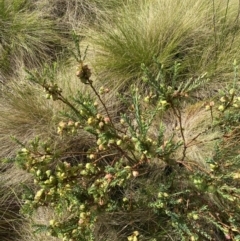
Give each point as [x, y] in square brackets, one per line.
[200, 138]
[42, 216]
[117, 226]
[202, 36]
[78, 14]
[28, 38]
[11, 221]
[24, 113]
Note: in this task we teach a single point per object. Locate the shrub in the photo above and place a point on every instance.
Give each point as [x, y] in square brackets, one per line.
[129, 184]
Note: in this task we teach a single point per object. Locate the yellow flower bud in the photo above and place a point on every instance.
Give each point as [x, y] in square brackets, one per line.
[223, 99]
[207, 107]
[232, 91]
[221, 108]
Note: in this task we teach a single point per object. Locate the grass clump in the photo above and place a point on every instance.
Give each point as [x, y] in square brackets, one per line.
[79, 14]
[24, 114]
[10, 224]
[195, 120]
[202, 36]
[28, 38]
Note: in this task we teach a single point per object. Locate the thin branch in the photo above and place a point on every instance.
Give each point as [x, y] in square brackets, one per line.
[65, 101]
[103, 104]
[177, 112]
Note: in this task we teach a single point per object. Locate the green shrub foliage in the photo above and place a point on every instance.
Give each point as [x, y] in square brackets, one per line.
[136, 182]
